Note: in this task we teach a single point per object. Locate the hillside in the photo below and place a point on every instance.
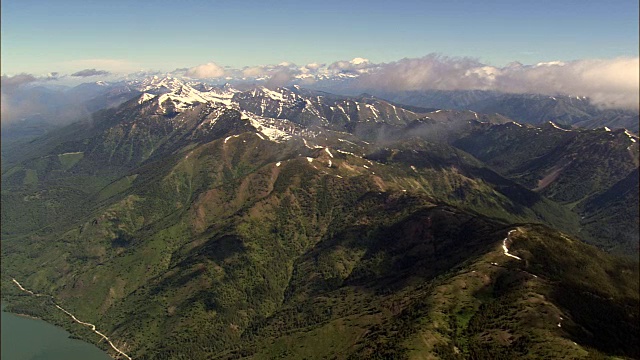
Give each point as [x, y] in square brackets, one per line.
[196, 222]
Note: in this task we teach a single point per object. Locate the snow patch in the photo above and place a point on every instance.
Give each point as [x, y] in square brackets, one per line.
[309, 159]
[630, 135]
[347, 141]
[347, 153]
[229, 137]
[273, 94]
[373, 109]
[328, 152]
[266, 126]
[278, 163]
[145, 97]
[556, 126]
[309, 147]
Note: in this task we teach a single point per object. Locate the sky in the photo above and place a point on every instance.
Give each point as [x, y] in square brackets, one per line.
[39, 37]
[583, 48]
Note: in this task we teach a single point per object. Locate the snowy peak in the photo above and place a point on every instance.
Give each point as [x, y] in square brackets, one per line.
[145, 97]
[175, 96]
[158, 84]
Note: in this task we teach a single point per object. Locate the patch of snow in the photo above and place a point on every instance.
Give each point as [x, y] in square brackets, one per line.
[330, 163]
[278, 163]
[414, 168]
[630, 135]
[373, 109]
[347, 141]
[365, 166]
[345, 113]
[556, 126]
[606, 129]
[145, 97]
[229, 137]
[266, 126]
[272, 94]
[260, 136]
[347, 153]
[328, 152]
[309, 147]
[309, 159]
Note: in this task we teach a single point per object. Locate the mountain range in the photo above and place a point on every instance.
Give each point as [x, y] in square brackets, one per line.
[191, 221]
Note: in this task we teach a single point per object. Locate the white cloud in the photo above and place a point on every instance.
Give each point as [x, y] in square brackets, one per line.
[313, 66]
[111, 65]
[205, 71]
[359, 61]
[254, 71]
[354, 65]
[608, 82]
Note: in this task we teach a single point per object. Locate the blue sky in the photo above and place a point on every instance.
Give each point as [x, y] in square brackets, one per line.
[66, 36]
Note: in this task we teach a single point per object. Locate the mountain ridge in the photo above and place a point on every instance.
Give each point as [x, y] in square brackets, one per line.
[204, 230]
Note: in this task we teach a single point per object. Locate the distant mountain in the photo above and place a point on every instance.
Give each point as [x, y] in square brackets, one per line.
[201, 222]
[525, 108]
[574, 167]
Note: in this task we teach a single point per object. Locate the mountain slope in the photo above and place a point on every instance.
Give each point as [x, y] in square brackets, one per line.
[532, 109]
[187, 226]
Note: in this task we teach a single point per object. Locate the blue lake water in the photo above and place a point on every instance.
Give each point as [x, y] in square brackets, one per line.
[31, 339]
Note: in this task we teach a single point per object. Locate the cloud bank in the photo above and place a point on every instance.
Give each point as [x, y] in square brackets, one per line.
[10, 83]
[607, 82]
[90, 72]
[11, 105]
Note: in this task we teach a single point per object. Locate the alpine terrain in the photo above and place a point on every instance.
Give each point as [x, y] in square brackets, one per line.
[183, 220]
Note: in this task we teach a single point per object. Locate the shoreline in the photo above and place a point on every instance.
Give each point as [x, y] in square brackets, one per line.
[91, 326]
[27, 316]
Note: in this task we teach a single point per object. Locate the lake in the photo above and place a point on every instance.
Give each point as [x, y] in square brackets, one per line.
[31, 339]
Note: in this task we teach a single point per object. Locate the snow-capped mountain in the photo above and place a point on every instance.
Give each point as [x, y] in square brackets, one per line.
[303, 107]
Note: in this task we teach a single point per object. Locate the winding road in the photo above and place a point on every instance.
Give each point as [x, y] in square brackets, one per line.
[93, 327]
[504, 246]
